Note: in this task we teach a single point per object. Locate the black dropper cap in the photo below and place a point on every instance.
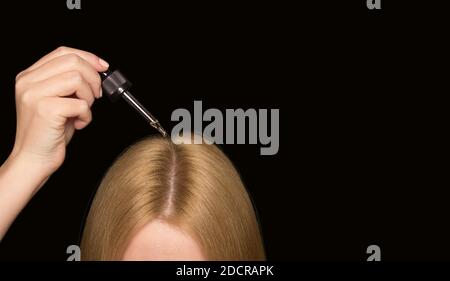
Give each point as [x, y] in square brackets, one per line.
[114, 83]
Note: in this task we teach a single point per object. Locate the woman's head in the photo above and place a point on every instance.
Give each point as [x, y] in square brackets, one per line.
[165, 201]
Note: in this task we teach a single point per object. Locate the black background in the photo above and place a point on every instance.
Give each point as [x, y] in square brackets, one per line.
[358, 162]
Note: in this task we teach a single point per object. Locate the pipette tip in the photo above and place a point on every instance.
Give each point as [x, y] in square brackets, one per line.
[158, 127]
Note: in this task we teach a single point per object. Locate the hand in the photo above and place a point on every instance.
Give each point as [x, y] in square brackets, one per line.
[53, 98]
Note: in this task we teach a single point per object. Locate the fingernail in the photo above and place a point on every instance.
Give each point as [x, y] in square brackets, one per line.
[101, 92]
[103, 62]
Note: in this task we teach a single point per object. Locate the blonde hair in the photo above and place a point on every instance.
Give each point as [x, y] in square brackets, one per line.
[192, 186]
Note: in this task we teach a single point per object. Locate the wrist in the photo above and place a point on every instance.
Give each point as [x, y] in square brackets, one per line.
[18, 183]
[26, 171]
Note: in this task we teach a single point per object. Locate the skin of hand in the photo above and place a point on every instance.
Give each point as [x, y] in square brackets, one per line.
[53, 99]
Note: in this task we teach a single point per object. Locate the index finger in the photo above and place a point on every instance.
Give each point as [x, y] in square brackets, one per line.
[96, 62]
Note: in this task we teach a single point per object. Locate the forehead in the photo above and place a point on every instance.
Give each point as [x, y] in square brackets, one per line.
[162, 241]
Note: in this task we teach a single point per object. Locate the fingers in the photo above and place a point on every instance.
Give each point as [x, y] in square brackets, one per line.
[64, 108]
[69, 130]
[62, 64]
[96, 62]
[61, 85]
[71, 108]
